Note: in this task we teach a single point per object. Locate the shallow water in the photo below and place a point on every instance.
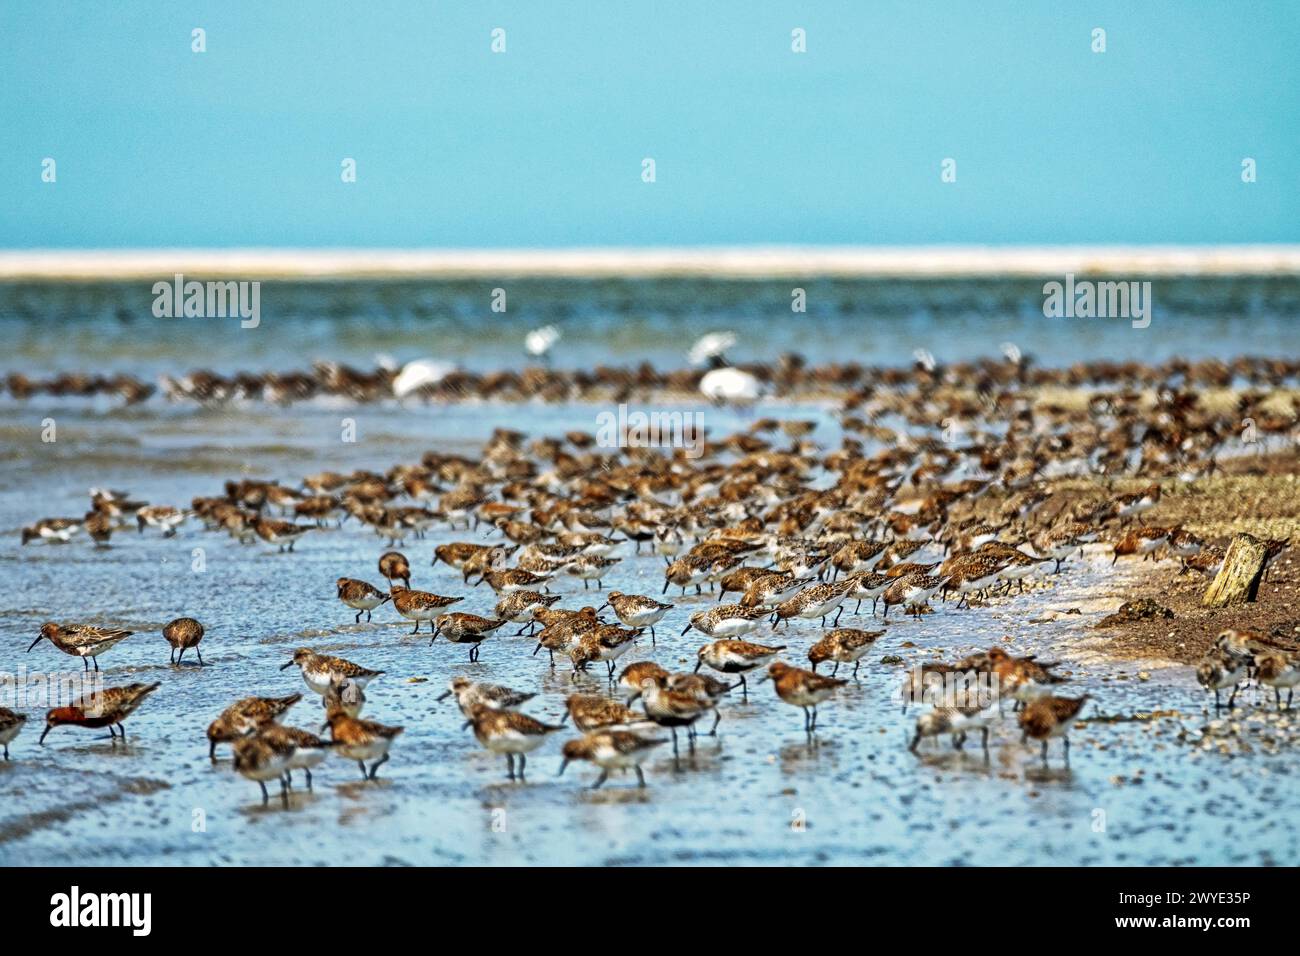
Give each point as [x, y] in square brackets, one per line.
[757, 793]
[109, 326]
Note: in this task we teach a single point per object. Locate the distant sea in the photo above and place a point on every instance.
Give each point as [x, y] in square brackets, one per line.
[109, 325]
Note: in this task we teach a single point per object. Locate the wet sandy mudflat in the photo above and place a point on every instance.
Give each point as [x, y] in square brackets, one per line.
[1162, 783]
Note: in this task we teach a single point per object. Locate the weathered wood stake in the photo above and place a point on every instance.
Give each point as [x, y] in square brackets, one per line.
[1238, 579]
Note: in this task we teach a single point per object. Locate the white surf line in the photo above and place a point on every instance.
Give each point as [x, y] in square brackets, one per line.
[743, 262]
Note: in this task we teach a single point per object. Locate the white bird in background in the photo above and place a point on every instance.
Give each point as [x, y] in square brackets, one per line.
[731, 385]
[710, 347]
[723, 383]
[538, 342]
[418, 373]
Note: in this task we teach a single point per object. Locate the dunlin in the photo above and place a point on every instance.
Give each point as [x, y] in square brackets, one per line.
[630, 678]
[245, 716]
[362, 740]
[605, 643]
[736, 657]
[636, 610]
[508, 732]
[11, 724]
[687, 571]
[345, 696]
[612, 750]
[844, 645]
[1219, 670]
[857, 556]
[318, 670]
[803, 689]
[259, 758]
[462, 628]
[420, 606]
[1024, 678]
[563, 629]
[591, 568]
[591, 712]
[958, 721]
[706, 688]
[1144, 541]
[52, 530]
[163, 517]
[360, 596]
[100, 527]
[726, 620]
[470, 694]
[912, 591]
[393, 566]
[307, 750]
[1129, 506]
[1278, 670]
[107, 708]
[673, 709]
[86, 641]
[182, 634]
[283, 534]
[868, 586]
[1049, 717]
[517, 607]
[513, 579]
[813, 603]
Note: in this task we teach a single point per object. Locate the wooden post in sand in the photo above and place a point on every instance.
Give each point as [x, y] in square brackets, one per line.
[1238, 579]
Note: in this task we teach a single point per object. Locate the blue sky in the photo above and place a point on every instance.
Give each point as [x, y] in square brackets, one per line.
[542, 146]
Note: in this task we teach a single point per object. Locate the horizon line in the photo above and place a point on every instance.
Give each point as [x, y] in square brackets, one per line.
[736, 262]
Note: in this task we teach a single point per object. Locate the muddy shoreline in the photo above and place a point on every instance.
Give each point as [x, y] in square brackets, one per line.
[1255, 494]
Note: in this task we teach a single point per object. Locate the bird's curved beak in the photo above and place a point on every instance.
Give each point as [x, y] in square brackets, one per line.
[563, 763]
[466, 725]
[48, 728]
[285, 667]
[687, 628]
[602, 607]
[443, 696]
[698, 664]
[35, 642]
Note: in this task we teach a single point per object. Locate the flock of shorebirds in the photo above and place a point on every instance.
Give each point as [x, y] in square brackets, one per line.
[792, 533]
